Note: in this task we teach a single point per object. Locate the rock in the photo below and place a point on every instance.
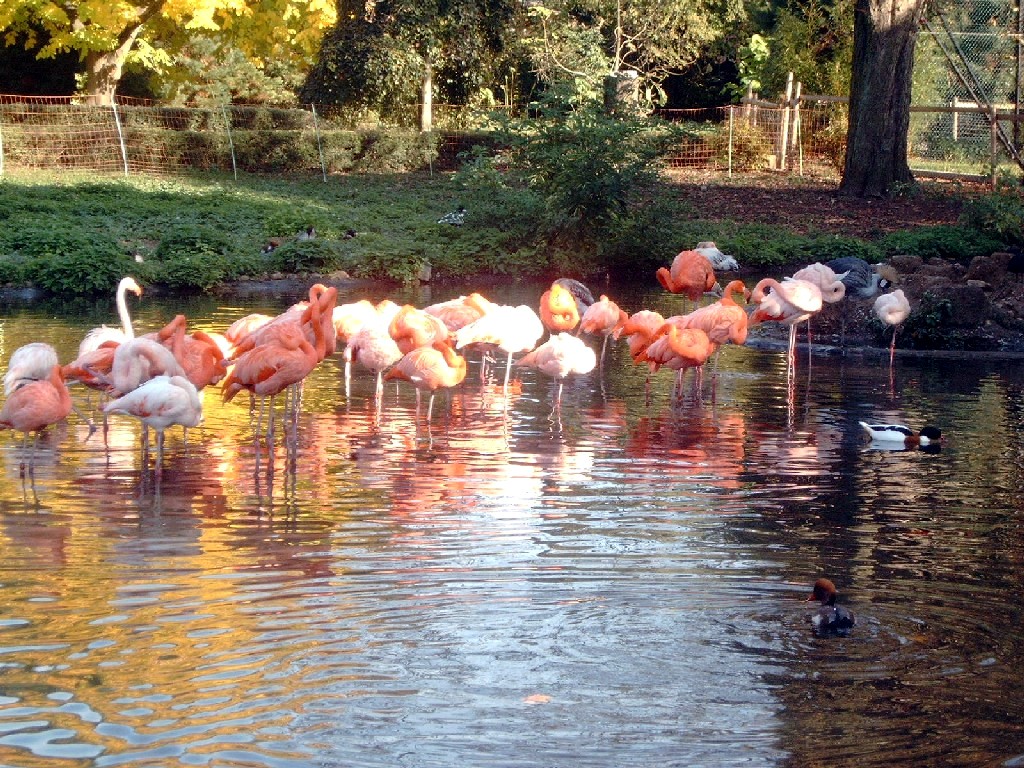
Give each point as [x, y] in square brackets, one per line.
[991, 268]
[971, 305]
[906, 263]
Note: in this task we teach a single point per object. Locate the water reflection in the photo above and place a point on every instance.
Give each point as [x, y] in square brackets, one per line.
[621, 583]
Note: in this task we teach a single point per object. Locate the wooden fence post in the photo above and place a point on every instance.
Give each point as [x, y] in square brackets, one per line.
[120, 136]
[231, 141]
[993, 147]
[784, 137]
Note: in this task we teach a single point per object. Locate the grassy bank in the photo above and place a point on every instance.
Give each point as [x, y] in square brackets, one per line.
[79, 235]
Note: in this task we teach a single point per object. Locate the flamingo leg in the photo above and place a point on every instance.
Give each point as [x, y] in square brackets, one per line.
[508, 372]
[892, 347]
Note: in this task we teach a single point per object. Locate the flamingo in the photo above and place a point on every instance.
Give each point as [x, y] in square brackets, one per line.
[558, 309]
[831, 285]
[460, 312]
[559, 357]
[892, 309]
[31, 362]
[137, 361]
[97, 336]
[429, 369]
[580, 293]
[601, 319]
[691, 274]
[413, 327]
[374, 349]
[34, 406]
[639, 329]
[510, 329]
[724, 321]
[161, 402]
[199, 354]
[677, 349]
[789, 302]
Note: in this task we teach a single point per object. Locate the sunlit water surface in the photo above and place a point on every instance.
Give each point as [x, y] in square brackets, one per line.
[619, 583]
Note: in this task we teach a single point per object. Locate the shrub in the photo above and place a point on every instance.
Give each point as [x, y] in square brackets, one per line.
[927, 327]
[955, 243]
[999, 214]
[70, 261]
[824, 248]
[192, 257]
[304, 256]
[395, 151]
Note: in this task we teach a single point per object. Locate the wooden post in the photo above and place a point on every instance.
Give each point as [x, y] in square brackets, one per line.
[120, 136]
[730, 139]
[784, 137]
[231, 141]
[993, 141]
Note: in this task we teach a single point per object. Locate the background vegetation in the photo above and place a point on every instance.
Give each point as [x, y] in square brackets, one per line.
[540, 211]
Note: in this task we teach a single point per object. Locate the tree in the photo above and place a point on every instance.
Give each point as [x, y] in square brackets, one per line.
[884, 36]
[655, 38]
[106, 32]
[389, 55]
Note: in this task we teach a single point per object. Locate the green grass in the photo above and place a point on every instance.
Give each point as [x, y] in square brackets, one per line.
[79, 234]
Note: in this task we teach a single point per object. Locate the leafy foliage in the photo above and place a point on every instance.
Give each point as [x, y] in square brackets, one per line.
[999, 214]
[956, 243]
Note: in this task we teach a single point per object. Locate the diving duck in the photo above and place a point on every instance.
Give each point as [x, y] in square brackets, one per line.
[829, 619]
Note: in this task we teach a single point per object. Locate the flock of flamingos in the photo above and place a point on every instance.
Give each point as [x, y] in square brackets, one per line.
[157, 378]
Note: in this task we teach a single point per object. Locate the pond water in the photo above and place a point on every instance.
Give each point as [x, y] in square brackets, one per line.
[620, 583]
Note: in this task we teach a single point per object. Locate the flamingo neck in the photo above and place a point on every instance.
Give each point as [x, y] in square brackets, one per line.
[122, 311]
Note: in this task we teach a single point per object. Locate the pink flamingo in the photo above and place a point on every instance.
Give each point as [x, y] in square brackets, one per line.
[373, 348]
[161, 402]
[559, 357]
[97, 336]
[31, 362]
[892, 309]
[34, 406]
[430, 369]
[509, 329]
[789, 302]
[601, 319]
[677, 349]
[691, 274]
[282, 361]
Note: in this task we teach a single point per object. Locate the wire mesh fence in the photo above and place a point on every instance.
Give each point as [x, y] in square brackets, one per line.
[803, 135]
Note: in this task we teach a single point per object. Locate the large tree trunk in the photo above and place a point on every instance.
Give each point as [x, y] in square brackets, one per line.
[884, 36]
[103, 68]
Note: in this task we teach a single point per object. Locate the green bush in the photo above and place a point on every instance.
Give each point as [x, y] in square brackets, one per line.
[276, 151]
[305, 256]
[192, 257]
[395, 151]
[999, 214]
[955, 243]
[69, 260]
[824, 248]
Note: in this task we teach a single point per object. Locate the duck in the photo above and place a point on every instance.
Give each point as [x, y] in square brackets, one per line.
[456, 217]
[309, 233]
[898, 433]
[829, 619]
